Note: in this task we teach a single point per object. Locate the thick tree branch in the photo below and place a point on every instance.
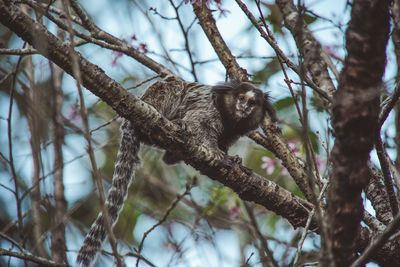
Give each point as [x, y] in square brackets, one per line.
[209, 27]
[162, 132]
[309, 47]
[277, 144]
[378, 196]
[274, 141]
[384, 160]
[355, 121]
[388, 255]
[377, 242]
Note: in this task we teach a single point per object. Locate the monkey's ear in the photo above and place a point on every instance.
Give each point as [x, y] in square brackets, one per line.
[269, 107]
[221, 89]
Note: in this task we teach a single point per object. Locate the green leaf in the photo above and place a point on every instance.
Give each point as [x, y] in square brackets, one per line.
[124, 80]
[265, 73]
[274, 18]
[309, 19]
[127, 222]
[284, 103]
[218, 198]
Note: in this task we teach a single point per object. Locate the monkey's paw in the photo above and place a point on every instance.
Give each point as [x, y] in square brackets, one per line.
[237, 159]
[181, 124]
[231, 161]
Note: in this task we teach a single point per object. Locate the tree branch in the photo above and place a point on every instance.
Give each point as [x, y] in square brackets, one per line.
[378, 242]
[387, 176]
[110, 41]
[28, 256]
[376, 193]
[209, 27]
[274, 141]
[248, 185]
[58, 242]
[355, 120]
[309, 47]
[272, 42]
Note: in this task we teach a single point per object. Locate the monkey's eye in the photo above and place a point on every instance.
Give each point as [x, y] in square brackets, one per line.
[241, 97]
[252, 102]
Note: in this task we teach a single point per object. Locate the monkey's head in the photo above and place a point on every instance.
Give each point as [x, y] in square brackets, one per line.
[241, 102]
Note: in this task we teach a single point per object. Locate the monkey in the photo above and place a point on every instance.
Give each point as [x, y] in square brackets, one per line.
[215, 115]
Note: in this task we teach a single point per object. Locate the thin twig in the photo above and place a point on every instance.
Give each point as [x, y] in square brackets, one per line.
[143, 82]
[131, 254]
[248, 259]
[272, 42]
[12, 241]
[263, 241]
[389, 106]
[11, 224]
[26, 193]
[187, 44]
[29, 257]
[84, 117]
[304, 234]
[164, 218]
[22, 51]
[103, 125]
[66, 216]
[387, 176]
[109, 42]
[10, 146]
[44, 8]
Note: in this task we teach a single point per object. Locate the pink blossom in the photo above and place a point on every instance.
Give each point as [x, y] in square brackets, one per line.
[222, 12]
[143, 47]
[73, 113]
[284, 171]
[117, 54]
[133, 38]
[194, 1]
[320, 164]
[114, 62]
[268, 165]
[235, 212]
[293, 146]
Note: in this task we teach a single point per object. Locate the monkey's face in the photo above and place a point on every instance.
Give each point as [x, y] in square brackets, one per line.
[245, 104]
[240, 103]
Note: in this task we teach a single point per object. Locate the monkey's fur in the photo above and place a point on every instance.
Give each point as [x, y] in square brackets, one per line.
[216, 116]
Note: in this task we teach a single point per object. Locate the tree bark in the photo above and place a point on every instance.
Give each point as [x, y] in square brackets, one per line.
[355, 116]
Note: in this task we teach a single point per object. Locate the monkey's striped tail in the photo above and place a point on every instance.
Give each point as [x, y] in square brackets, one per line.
[125, 166]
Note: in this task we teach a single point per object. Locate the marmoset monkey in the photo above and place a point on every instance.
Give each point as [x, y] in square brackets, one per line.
[216, 116]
